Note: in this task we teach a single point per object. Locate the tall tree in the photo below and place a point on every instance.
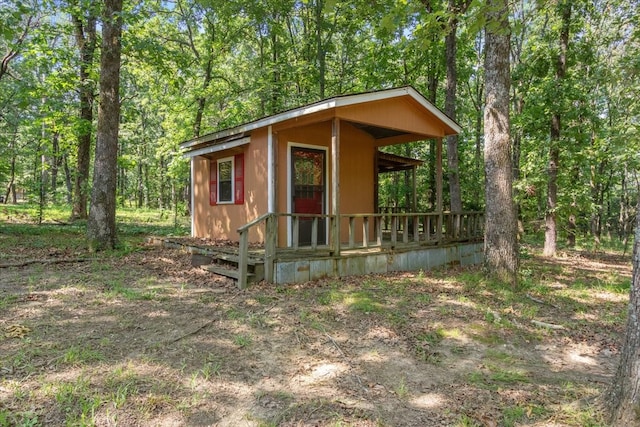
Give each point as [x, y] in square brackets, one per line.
[623, 397]
[454, 8]
[101, 226]
[551, 233]
[84, 23]
[500, 247]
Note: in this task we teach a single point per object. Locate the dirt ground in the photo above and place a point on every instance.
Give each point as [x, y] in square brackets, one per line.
[146, 339]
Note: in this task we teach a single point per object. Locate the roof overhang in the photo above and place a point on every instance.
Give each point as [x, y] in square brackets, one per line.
[225, 139]
[213, 148]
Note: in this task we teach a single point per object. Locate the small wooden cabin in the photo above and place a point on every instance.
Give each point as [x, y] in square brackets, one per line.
[307, 179]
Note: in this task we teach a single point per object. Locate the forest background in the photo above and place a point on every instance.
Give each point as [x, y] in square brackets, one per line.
[191, 67]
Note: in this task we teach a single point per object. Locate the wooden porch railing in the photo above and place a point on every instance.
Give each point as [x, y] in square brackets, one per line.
[392, 230]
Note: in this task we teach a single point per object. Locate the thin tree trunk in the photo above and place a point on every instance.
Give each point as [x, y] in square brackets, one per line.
[139, 188]
[320, 51]
[12, 179]
[12, 173]
[572, 224]
[101, 226]
[275, 89]
[501, 247]
[551, 228]
[451, 40]
[202, 101]
[14, 51]
[67, 179]
[161, 190]
[55, 164]
[86, 40]
[431, 96]
[623, 397]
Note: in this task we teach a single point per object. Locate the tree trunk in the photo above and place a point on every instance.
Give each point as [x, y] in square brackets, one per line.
[572, 220]
[551, 229]
[321, 54]
[67, 179]
[10, 186]
[450, 109]
[501, 247]
[101, 226]
[12, 178]
[86, 41]
[202, 101]
[451, 41]
[623, 397]
[14, 51]
[431, 96]
[55, 166]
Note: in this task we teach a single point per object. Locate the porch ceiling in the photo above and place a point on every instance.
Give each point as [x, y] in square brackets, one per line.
[378, 132]
[388, 162]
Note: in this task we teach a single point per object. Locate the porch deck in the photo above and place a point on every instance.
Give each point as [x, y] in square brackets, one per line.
[400, 242]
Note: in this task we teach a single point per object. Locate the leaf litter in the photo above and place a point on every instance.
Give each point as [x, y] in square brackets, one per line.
[147, 339]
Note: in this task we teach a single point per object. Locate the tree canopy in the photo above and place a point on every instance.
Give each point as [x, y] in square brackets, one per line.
[190, 67]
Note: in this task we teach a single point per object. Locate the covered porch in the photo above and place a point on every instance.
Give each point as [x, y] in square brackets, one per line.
[412, 241]
[305, 202]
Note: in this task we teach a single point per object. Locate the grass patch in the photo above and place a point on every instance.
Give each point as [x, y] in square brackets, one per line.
[517, 415]
[7, 300]
[493, 377]
[77, 355]
[242, 340]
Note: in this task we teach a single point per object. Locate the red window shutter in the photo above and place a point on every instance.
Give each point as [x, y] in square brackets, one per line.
[213, 182]
[239, 179]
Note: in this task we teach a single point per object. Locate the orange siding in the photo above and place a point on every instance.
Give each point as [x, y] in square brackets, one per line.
[222, 221]
[399, 113]
[356, 169]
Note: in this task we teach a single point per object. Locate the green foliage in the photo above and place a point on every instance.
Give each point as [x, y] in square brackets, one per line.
[230, 62]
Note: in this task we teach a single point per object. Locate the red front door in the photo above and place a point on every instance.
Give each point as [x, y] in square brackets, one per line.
[308, 185]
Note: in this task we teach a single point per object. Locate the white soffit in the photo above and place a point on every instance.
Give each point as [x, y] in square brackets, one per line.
[218, 147]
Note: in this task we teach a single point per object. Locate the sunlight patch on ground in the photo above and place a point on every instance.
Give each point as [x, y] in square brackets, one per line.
[321, 372]
[157, 314]
[576, 357]
[573, 355]
[610, 296]
[428, 401]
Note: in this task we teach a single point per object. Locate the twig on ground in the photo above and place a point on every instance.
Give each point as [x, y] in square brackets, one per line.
[201, 327]
[46, 261]
[335, 344]
[539, 301]
[546, 325]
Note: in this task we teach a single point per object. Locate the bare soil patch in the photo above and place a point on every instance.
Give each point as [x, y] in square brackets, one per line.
[147, 339]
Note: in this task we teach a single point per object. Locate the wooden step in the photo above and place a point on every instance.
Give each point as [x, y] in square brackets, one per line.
[235, 259]
[227, 272]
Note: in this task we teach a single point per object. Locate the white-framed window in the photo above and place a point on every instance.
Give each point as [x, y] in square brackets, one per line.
[225, 180]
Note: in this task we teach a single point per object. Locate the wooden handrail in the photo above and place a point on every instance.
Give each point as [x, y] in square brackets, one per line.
[254, 222]
[269, 252]
[421, 228]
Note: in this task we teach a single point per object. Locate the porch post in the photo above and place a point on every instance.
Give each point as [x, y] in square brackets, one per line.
[439, 187]
[414, 208]
[335, 185]
[271, 173]
[192, 196]
[271, 224]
